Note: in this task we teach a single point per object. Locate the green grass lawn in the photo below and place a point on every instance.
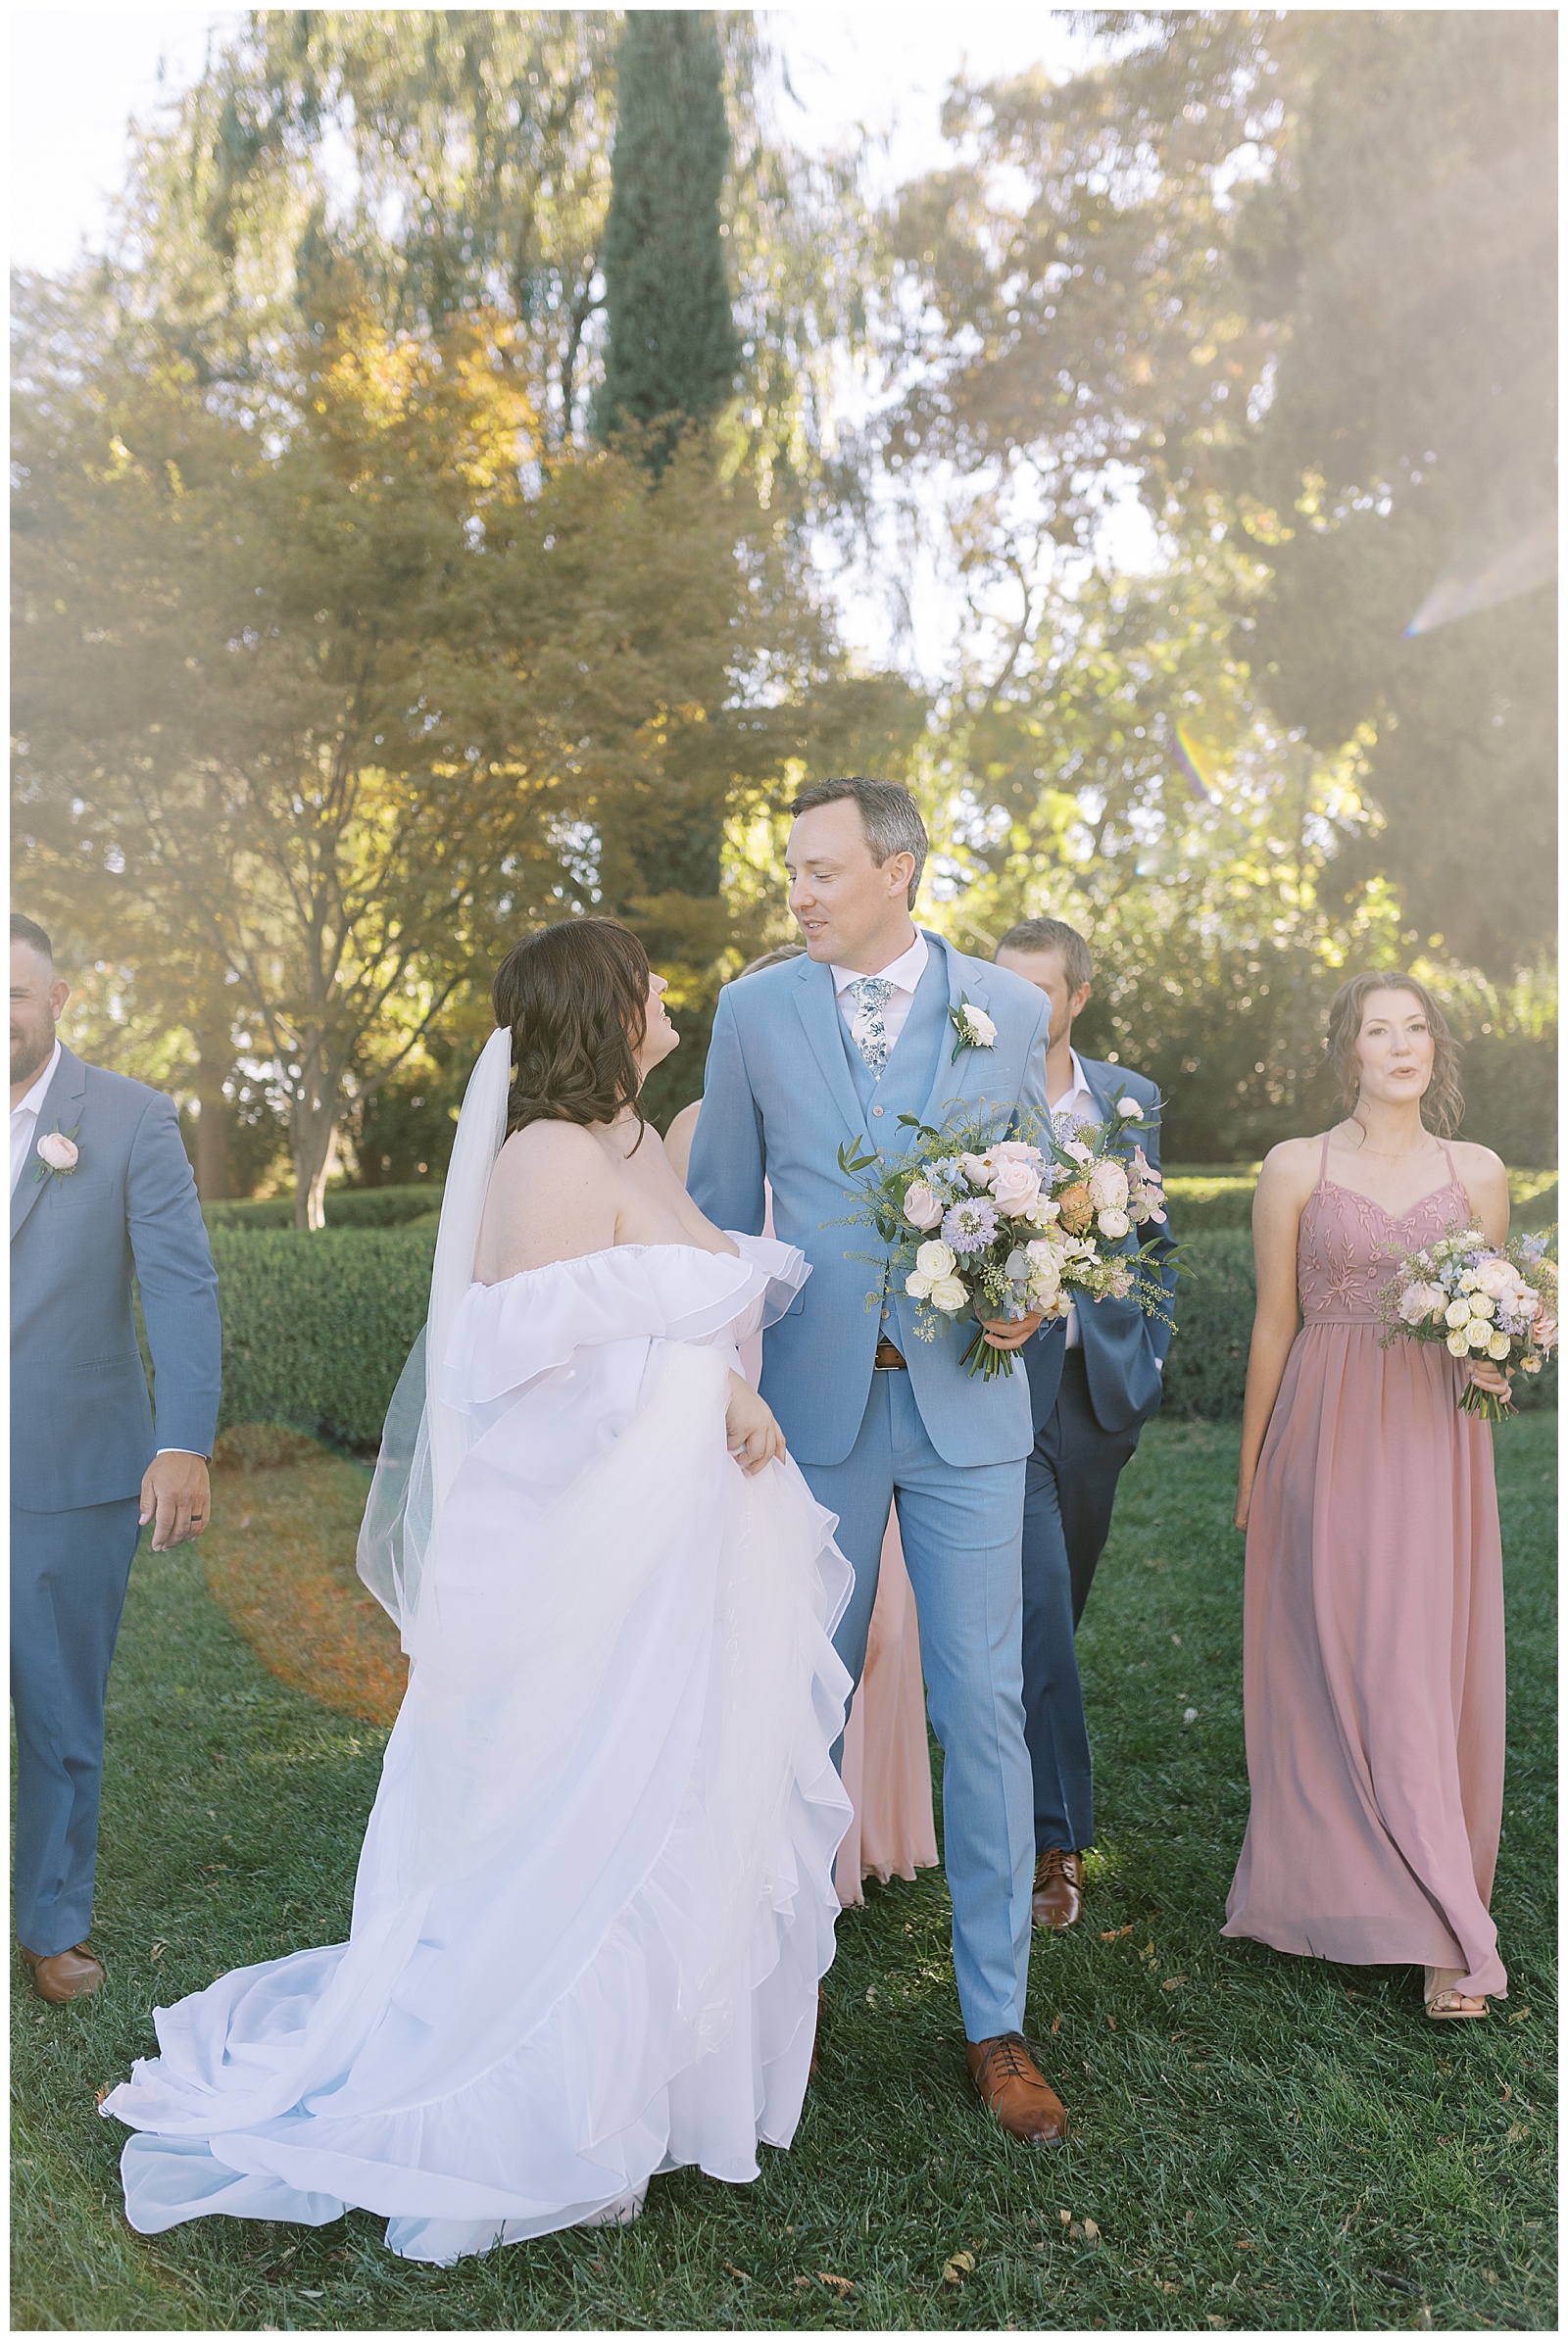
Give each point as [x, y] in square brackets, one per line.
[1259, 2142]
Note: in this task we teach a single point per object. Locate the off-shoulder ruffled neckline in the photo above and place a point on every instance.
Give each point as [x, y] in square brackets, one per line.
[609, 1251]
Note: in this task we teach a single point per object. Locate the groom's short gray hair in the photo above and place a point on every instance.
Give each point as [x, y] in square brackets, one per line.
[888, 813]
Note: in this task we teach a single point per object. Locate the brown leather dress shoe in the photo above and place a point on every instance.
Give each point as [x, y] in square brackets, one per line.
[66, 1976]
[1012, 2086]
[1058, 1894]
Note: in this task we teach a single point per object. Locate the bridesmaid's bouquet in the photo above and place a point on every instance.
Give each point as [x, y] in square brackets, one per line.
[1004, 1227]
[1478, 1301]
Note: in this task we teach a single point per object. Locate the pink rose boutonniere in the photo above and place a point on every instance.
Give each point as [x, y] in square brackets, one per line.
[58, 1153]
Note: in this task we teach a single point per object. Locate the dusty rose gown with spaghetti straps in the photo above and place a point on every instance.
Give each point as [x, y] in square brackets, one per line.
[1373, 1649]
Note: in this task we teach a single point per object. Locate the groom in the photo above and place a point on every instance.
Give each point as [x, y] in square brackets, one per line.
[807, 1056]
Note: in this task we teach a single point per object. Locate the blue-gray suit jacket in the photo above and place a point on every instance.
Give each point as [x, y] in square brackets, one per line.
[81, 1423]
[1122, 1347]
[778, 1101]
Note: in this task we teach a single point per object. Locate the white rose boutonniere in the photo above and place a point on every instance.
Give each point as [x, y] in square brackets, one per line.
[973, 1027]
[58, 1153]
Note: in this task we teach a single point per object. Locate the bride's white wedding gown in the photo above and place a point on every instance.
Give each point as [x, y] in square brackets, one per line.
[595, 1896]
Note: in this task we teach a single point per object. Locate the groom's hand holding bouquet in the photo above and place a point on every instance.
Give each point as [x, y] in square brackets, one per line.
[1009, 1231]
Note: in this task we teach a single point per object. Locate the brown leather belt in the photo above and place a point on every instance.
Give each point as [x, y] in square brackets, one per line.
[888, 1360]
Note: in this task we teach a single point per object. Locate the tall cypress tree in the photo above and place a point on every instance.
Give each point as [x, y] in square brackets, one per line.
[673, 349]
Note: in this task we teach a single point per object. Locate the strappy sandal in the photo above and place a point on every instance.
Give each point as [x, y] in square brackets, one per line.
[1450, 2005]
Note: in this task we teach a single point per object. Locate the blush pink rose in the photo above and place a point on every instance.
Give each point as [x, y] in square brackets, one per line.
[57, 1150]
[1015, 1188]
[922, 1207]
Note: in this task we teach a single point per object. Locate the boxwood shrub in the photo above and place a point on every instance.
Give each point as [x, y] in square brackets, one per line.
[316, 1328]
[345, 1207]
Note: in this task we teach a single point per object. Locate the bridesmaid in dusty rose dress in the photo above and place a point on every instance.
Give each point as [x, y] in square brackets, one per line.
[887, 1756]
[1373, 1656]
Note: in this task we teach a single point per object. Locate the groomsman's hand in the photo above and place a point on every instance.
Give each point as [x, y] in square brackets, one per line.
[175, 1495]
[1012, 1333]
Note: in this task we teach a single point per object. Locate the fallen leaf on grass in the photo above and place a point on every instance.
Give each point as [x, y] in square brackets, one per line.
[1065, 2218]
[1517, 2130]
[1055, 2025]
[108, 2085]
[1091, 2232]
[1244, 2243]
[840, 2284]
[802, 2284]
[1111, 2021]
[1172, 1982]
[1520, 2017]
[961, 2265]
[731, 2269]
[1115, 1933]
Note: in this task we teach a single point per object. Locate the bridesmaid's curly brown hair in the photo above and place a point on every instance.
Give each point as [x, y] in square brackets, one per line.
[575, 997]
[1442, 1107]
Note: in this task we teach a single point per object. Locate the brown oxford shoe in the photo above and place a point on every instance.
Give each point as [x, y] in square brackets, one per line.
[66, 1976]
[1058, 1894]
[1015, 2091]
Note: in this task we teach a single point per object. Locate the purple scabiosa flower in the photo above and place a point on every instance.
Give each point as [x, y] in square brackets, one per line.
[969, 1226]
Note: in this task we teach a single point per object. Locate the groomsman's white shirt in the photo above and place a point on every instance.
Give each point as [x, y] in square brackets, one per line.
[1080, 1103]
[24, 1117]
[903, 975]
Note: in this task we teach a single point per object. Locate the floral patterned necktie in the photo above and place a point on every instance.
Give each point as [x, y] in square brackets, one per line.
[868, 1032]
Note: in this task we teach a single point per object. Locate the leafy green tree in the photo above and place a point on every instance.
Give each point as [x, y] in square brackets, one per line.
[1405, 468]
[335, 705]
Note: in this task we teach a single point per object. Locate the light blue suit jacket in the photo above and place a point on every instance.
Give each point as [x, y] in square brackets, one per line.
[81, 1425]
[778, 1101]
[1122, 1347]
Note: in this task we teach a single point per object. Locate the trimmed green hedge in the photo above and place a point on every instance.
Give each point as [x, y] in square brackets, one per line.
[317, 1328]
[346, 1208]
[1205, 1200]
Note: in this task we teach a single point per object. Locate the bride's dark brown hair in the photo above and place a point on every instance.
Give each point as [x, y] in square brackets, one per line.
[1442, 1106]
[575, 997]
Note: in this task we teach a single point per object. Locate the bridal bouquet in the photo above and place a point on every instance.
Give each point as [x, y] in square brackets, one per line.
[1479, 1303]
[1003, 1227]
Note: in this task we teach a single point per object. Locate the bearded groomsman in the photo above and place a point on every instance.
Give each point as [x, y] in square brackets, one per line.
[1095, 1380]
[101, 1192]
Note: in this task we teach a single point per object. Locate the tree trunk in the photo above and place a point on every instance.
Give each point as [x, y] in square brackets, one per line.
[212, 1124]
[313, 1145]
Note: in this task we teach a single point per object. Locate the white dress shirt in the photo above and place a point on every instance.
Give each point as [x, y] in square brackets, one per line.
[25, 1118]
[1080, 1103]
[903, 975]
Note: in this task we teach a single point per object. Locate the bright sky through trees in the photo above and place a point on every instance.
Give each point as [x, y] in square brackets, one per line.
[78, 75]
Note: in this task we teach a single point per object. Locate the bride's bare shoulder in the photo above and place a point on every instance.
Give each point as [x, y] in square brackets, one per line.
[551, 1198]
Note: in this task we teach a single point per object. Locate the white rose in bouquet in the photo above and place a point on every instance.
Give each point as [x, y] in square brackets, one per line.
[1458, 1342]
[1015, 1188]
[1499, 1345]
[949, 1293]
[934, 1261]
[1481, 1307]
[1457, 1313]
[1479, 1332]
[1113, 1224]
[922, 1207]
[1107, 1187]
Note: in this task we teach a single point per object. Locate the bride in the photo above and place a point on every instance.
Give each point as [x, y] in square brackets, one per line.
[595, 1896]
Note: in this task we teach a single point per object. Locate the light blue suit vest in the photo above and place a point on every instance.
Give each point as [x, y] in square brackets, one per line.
[782, 1093]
